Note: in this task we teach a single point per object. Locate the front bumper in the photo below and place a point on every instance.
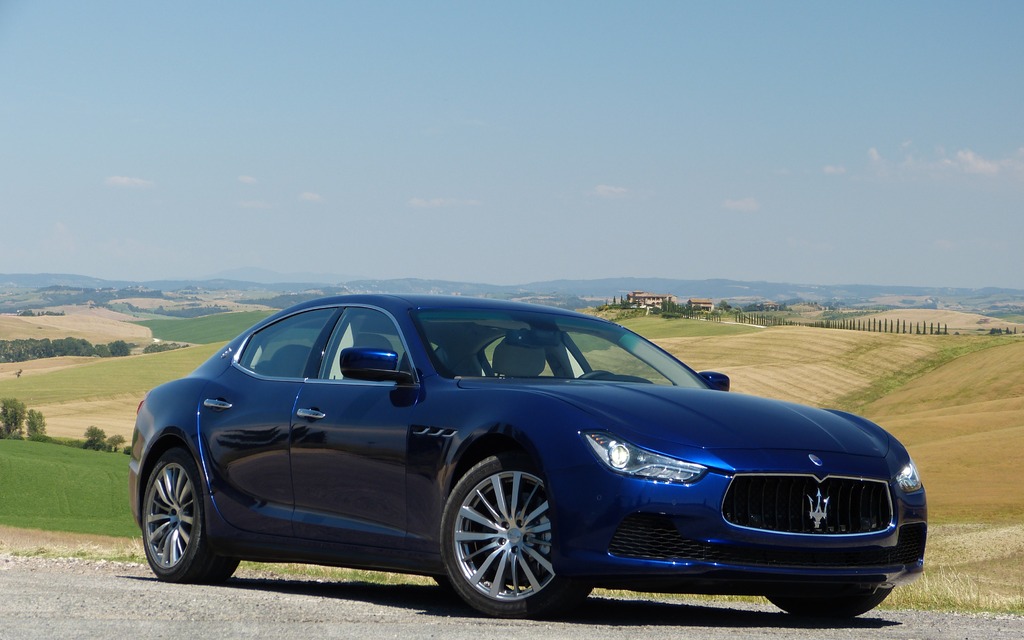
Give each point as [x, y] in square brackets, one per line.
[637, 534]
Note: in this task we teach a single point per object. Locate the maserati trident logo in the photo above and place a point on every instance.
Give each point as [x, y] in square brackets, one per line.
[819, 510]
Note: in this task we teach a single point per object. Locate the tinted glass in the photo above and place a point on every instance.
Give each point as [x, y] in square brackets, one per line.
[282, 350]
[528, 344]
[363, 327]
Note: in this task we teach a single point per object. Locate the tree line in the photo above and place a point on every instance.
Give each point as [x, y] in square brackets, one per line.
[34, 348]
[18, 422]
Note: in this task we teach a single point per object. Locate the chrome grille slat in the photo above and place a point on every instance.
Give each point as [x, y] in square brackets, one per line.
[782, 503]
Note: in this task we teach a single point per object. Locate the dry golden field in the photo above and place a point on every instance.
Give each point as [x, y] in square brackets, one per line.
[802, 364]
[97, 325]
[954, 321]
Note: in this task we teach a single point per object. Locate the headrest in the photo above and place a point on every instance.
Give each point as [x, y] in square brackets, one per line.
[517, 361]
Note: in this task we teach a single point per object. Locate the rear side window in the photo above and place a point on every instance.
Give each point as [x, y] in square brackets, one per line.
[284, 349]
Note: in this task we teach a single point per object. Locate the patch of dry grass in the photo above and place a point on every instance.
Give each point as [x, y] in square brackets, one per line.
[969, 567]
[33, 542]
[802, 364]
[98, 326]
[964, 424]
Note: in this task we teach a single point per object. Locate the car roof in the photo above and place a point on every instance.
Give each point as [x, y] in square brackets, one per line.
[402, 302]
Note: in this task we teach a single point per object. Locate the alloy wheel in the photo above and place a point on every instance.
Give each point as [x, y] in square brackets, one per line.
[503, 536]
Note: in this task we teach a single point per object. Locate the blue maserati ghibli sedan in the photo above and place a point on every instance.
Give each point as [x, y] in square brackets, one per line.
[521, 455]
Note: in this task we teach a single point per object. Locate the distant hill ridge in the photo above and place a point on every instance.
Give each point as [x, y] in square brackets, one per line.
[717, 289]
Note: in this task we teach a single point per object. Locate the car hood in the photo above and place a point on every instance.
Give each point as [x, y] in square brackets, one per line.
[711, 420]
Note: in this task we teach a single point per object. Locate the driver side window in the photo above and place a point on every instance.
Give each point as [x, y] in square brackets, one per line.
[362, 327]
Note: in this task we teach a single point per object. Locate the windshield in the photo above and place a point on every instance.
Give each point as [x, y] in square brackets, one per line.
[530, 344]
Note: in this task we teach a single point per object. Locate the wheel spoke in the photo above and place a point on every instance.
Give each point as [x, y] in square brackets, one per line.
[534, 582]
[472, 536]
[487, 505]
[471, 514]
[498, 581]
[477, 577]
[161, 491]
[513, 508]
[499, 497]
[537, 513]
[482, 550]
[539, 559]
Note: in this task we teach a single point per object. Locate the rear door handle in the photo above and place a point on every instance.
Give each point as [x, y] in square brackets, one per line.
[311, 414]
[217, 404]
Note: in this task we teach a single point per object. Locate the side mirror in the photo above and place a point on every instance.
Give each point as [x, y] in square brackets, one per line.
[715, 380]
[377, 365]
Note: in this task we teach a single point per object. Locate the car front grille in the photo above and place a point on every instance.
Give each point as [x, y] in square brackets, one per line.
[803, 504]
[655, 537]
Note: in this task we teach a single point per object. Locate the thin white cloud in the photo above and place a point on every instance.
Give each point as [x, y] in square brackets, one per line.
[128, 182]
[944, 245]
[833, 170]
[247, 180]
[742, 205]
[941, 163]
[971, 162]
[439, 203]
[608, 191]
[309, 196]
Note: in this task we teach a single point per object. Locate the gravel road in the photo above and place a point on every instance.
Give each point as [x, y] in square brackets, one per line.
[71, 598]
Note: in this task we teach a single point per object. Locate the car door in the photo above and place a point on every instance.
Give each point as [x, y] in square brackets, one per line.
[245, 421]
[348, 448]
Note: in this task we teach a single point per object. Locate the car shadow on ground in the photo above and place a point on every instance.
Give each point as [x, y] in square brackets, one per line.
[598, 609]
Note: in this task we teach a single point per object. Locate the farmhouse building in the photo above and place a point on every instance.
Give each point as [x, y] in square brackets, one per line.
[647, 300]
[701, 304]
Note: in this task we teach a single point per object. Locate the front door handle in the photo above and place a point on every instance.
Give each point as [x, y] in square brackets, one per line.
[311, 414]
[217, 404]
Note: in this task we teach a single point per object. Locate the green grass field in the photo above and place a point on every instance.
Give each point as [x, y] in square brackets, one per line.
[56, 488]
[220, 327]
[106, 377]
[656, 328]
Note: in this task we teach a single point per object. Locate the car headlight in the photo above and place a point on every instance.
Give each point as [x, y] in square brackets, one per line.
[628, 459]
[908, 478]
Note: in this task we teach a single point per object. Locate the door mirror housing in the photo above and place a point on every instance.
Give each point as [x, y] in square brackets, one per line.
[377, 365]
[715, 380]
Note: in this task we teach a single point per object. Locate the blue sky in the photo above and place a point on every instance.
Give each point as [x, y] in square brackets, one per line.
[817, 142]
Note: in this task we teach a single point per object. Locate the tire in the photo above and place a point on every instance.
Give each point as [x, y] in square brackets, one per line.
[837, 607]
[174, 525]
[496, 542]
